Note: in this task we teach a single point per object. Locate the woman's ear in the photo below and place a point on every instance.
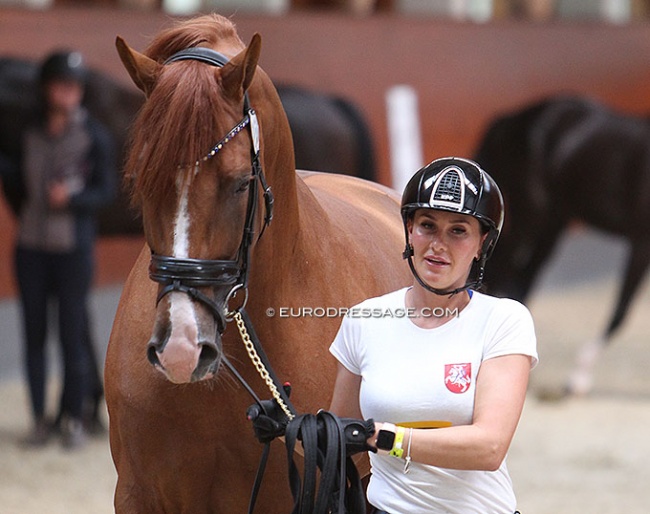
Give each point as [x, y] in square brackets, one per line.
[409, 227]
[480, 248]
[408, 251]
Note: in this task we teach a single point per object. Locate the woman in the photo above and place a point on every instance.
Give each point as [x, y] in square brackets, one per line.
[439, 354]
[65, 175]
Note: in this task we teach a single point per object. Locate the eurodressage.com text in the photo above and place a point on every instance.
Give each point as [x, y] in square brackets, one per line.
[360, 312]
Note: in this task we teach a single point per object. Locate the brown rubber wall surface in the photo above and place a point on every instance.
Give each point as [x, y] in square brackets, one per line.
[464, 73]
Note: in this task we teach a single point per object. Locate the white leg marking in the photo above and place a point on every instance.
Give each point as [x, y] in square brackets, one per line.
[581, 379]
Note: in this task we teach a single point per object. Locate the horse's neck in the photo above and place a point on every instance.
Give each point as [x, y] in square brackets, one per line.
[279, 167]
[298, 214]
[288, 241]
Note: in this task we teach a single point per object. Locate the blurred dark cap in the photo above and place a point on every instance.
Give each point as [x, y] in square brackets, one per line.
[63, 65]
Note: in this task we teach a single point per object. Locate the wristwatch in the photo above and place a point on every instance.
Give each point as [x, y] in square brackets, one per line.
[386, 437]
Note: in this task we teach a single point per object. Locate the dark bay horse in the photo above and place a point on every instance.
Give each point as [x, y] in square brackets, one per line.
[561, 159]
[179, 436]
[330, 133]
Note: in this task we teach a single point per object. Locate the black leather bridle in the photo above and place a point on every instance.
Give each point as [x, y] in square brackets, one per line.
[187, 275]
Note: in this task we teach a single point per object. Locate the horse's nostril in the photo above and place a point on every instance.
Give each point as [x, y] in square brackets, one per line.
[208, 356]
[152, 356]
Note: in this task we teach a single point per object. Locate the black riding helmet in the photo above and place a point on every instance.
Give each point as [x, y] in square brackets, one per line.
[456, 185]
[63, 65]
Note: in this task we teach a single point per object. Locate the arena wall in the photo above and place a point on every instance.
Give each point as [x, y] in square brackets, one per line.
[464, 74]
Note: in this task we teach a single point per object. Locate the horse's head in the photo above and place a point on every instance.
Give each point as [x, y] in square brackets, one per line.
[194, 170]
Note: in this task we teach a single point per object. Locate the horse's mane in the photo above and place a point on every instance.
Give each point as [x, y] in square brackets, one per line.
[178, 123]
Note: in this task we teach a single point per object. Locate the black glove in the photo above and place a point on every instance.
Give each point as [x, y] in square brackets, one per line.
[269, 420]
[357, 431]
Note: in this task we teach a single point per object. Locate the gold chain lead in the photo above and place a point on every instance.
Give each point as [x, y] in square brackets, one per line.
[259, 365]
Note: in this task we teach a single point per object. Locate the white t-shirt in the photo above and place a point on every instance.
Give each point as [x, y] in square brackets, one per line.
[414, 374]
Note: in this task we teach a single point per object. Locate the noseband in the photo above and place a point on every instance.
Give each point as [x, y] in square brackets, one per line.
[186, 275]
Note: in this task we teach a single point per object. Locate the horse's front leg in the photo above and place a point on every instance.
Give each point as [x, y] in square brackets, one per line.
[581, 379]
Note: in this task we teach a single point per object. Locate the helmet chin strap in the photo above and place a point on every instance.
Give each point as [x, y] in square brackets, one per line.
[475, 284]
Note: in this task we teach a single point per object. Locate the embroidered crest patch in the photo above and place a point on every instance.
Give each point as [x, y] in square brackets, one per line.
[458, 377]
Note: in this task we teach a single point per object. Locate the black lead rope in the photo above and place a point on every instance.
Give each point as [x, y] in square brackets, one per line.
[283, 393]
[324, 438]
[266, 361]
[267, 447]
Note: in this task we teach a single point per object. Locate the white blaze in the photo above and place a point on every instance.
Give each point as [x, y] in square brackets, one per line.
[181, 352]
[182, 221]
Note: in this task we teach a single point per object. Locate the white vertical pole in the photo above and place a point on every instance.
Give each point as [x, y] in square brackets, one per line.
[405, 141]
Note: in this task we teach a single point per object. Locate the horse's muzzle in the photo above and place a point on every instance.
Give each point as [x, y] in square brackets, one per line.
[182, 362]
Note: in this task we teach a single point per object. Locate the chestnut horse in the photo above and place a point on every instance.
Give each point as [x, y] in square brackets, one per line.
[179, 436]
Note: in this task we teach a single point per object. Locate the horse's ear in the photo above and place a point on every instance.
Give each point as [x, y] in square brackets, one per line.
[143, 70]
[238, 73]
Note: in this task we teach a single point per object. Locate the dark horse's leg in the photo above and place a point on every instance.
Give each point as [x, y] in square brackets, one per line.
[580, 381]
[635, 271]
[538, 253]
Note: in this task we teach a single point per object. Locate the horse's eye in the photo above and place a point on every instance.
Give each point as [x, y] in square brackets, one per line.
[243, 187]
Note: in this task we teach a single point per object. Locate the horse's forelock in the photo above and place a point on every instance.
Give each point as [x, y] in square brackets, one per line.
[176, 127]
[178, 123]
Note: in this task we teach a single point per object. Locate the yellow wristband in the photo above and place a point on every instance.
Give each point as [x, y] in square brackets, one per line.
[397, 450]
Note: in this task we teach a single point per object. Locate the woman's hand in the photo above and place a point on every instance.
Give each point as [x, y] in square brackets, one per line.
[58, 195]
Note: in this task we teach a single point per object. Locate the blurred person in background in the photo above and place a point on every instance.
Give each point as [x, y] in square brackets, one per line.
[64, 175]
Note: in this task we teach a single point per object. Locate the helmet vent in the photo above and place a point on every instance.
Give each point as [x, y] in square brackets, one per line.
[449, 190]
